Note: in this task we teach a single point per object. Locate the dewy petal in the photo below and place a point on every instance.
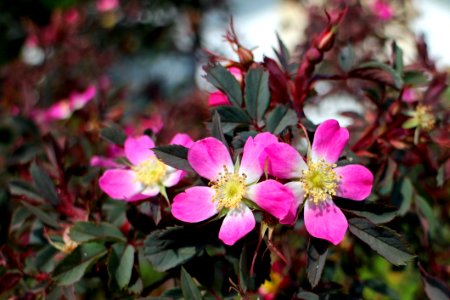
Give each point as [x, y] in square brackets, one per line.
[194, 204]
[121, 184]
[329, 141]
[253, 158]
[218, 98]
[237, 223]
[182, 139]
[137, 149]
[208, 157]
[271, 196]
[296, 188]
[355, 183]
[284, 161]
[325, 221]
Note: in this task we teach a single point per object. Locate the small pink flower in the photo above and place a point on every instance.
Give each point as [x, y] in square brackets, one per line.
[383, 10]
[79, 100]
[107, 5]
[220, 99]
[147, 175]
[410, 95]
[318, 179]
[231, 186]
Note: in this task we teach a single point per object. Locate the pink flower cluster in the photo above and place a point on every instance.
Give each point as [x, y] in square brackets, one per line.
[237, 187]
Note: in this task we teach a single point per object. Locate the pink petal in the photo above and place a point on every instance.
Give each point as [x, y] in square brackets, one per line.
[237, 223]
[104, 162]
[218, 98]
[355, 183]
[297, 189]
[284, 161]
[78, 100]
[325, 221]
[173, 177]
[182, 139]
[151, 191]
[58, 111]
[208, 157]
[271, 196]
[194, 204]
[236, 72]
[138, 150]
[121, 184]
[254, 156]
[329, 141]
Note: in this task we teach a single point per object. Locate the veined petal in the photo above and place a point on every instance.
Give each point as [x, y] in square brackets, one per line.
[254, 156]
[329, 141]
[325, 221]
[355, 183]
[237, 223]
[182, 139]
[296, 188]
[121, 184]
[208, 157]
[271, 196]
[138, 150]
[284, 161]
[194, 204]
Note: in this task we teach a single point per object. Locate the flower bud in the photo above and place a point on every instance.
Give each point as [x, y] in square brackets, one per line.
[326, 40]
[245, 56]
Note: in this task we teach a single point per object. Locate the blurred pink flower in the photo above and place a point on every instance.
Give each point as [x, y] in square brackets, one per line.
[229, 185]
[147, 175]
[107, 5]
[318, 179]
[383, 10]
[218, 98]
[410, 95]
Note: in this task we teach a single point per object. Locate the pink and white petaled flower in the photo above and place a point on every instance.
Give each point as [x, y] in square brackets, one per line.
[318, 179]
[230, 186]
[147, 175]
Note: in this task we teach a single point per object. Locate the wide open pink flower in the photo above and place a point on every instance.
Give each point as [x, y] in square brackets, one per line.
[218, 98]
[231, 186]
[147, 174]
[318, 179]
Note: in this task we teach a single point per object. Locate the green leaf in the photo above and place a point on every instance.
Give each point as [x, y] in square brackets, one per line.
[174, 156]
[72, 268]
[172, 247]
[125, 268]
[113, 134]
[375, 212]
[398, 58]
[217, 130]
[44, 184]
[415, 78]
[222, 79]
[379, 72]
[346, 58]
[18, 187]
[229, 114]
[147, 272]
[305, 295]
[407, 193]
[41, 215]
[188, 286]
[257, 94]
[317, 256]
[280, 118]
[83, 232]
[384, 241]
[435, 288]
[426, 214]
[283, 53]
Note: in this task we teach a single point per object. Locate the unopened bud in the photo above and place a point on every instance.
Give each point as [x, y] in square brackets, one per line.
[326, 41]
[245, 56]
[313, 55]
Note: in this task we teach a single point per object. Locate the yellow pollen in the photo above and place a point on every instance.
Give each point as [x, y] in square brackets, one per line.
[230, 187]
[424, 117]
[319, 180]
[150, 171]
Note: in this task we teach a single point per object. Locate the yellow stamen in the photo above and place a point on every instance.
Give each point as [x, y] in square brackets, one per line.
[230, 188]
[150, 171]
[319, 180]
[424, 117]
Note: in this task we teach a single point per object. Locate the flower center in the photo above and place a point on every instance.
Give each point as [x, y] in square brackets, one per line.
[150, 171]
[230, 188]
[424, 117]
[319, 180]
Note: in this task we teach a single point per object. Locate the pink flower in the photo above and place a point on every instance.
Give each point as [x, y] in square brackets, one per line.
[318, 179]
[231, 187]
[220, 99]
[107, 5]
[79, 100]
[147, 175]
[383, 10]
